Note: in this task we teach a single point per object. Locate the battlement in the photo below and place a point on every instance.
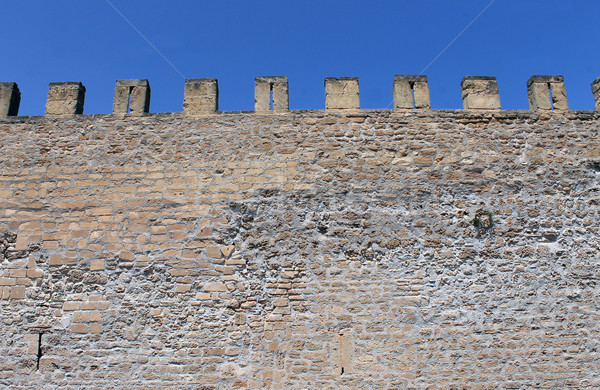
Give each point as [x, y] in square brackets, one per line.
[201, 96]
[300, 249]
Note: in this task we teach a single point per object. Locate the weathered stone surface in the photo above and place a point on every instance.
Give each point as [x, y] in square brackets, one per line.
[480, 93]
[547, 93]
[411, 91]
[201, 96]
[271, 93]
[132, 97]
[341, 93]
[316, 249]
[10, 97]
[65, 98]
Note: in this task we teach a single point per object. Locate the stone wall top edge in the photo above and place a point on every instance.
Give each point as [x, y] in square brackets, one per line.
[572, 114]
[362, 113]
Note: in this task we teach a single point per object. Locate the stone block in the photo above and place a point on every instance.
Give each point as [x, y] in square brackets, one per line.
[55, 259]
[10, 98]
[79, 328]
[215, 287]
[97, 265]
[279, 302]
[71, 305]
[596, 92]
[22, 242]
[65, 98]
[35, 273]
[480, 93]
[17, 292]
[95, 328]
[547, 93]
[132, 97]
[411, 91]
[240, 318]
[201, 96]
[341, 93]
[271, 91]
[183, 288]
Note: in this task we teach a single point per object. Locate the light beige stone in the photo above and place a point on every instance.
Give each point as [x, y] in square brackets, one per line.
[411, 91]
[215, 287]
[480, 93]
[17, 292]
[65, 98]
[271, 91]
[79, 328]
[539, 90]
[201, 97]
[341, 93]
[97, 265]
[132, 97]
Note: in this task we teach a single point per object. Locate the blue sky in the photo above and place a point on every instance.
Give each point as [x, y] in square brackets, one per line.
[236, 40]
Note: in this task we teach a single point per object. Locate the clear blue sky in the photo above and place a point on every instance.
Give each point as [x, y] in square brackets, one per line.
[236, 40]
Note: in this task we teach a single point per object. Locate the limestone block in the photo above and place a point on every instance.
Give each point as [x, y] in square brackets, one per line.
[65, 98]
[480, 93]
[341, 93]
[547, 93]
[596, 92]
[278, 85]
[17, 292]
[201, 96]
[10, 97]
[411, 91]
[132, 97]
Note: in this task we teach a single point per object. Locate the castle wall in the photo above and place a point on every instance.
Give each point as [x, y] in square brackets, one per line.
[305, 250]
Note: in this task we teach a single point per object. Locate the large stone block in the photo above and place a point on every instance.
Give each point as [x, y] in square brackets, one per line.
[411, 91]
[480, 93]
[65, 98]
[547, 93]
[341, 93]
[132, 97]
[596, 92]
[201, 96]
[10, 97]
[271, 90]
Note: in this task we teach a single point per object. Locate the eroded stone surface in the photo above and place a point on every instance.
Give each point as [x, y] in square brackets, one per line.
[341, 93]
[480, 93]
[271, 94]
[278, 251]
[411, 91]
[201, 97]
[65, 98]
[547, 93]
[10, 98]
[132, 97]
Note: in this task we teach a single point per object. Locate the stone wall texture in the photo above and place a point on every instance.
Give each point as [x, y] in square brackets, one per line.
[304, 250]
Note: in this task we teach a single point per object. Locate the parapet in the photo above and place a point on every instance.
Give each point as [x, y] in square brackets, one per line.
[65, 98]
[201, 96]
[132, 97]
[341, 93]
[411, 91]
[480, 93]
[10, 97]
[271, 94]
[547, 93]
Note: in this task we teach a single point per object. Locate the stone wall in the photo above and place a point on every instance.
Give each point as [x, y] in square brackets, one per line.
[301, 250]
